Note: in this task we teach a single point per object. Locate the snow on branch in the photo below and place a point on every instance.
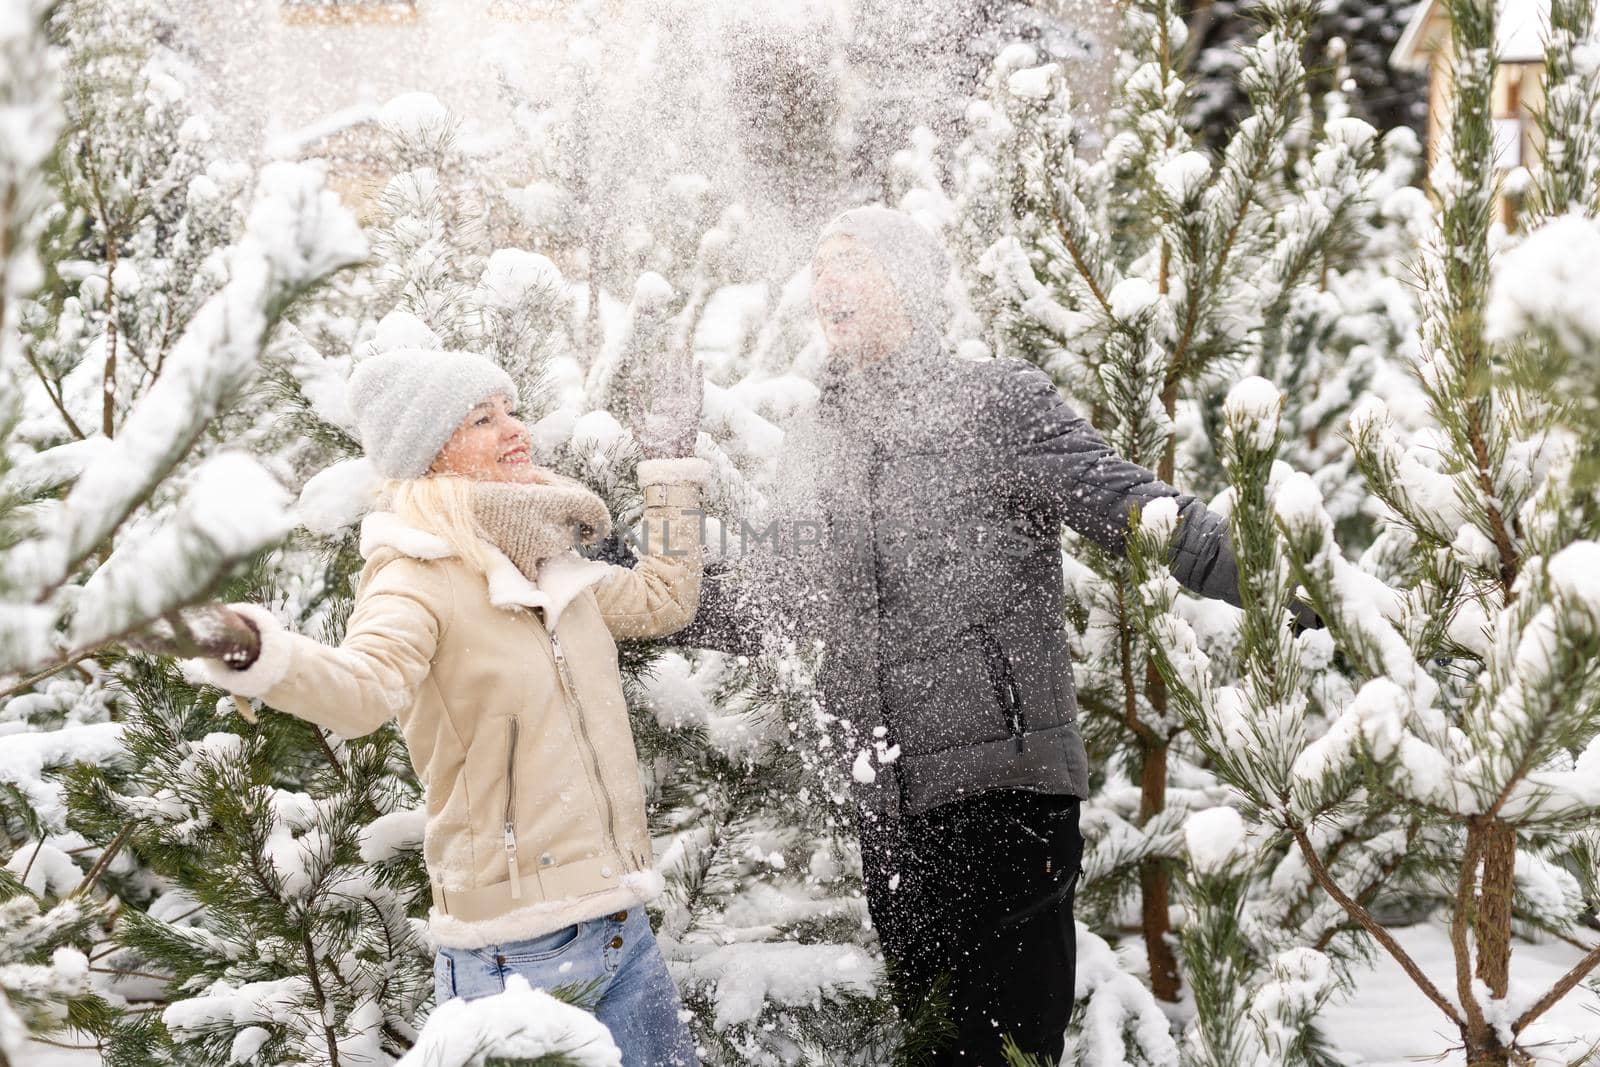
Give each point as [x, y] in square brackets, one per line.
[297, 234]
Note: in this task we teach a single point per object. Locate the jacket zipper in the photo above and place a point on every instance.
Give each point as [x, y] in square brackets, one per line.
[571, 692]
[511, 800]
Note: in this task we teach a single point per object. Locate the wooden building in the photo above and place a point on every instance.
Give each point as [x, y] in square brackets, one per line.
[1521, 27]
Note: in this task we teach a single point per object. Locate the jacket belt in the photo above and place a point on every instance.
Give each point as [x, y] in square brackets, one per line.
[567, 881]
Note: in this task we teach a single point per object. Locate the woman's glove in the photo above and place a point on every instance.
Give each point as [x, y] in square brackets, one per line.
[210, 631]
[667, 427]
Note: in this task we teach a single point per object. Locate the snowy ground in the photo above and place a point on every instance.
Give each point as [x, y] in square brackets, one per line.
[1386, 1024]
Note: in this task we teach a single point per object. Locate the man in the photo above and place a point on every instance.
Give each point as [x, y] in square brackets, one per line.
[919, 521]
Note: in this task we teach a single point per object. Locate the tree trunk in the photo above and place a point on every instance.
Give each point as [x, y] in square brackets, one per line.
[1493, 844]
[1488, 1057]
[1155, 887]
[1492, 919]
[1155, 882]
[108, 383]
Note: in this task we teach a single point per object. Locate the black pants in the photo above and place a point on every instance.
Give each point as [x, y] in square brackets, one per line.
[978, 893]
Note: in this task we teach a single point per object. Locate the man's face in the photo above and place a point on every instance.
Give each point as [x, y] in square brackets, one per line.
[855, 300]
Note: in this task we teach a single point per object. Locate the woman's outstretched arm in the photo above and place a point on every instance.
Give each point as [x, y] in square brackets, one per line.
[401, 610]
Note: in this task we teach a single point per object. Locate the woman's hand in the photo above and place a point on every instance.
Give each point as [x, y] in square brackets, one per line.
[210, 631]
[668, 426]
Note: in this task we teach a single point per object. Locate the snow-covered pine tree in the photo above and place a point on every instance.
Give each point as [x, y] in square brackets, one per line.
[1367, 32]
[137, 211]
[563, 206]
[119, 361]
[147, 202]
[1563, 199]
[1263, 951]
[72, 581]
[1472, 731]
[289, 921]
[279, 928]
[42, 935]
[225, 509]
[542, 195]
[910, 71]
[597, 206]
[763, 917]
[1137, 278]
[1334, 338]
[430, 237]
[1567, 176]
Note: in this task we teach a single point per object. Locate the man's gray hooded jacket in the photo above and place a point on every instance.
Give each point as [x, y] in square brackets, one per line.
[918, 538]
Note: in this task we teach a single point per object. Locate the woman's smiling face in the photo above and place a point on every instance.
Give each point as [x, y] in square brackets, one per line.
[490, 445]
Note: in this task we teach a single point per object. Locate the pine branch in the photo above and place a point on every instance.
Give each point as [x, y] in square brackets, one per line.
[53, 393]
[313, 972]
[1079, 260]
[1369, 892]
[104, 861]
[1566, 984]
[1365, 920]
[29, 681]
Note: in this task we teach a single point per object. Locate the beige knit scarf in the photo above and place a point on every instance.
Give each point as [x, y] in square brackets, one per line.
[532, 522]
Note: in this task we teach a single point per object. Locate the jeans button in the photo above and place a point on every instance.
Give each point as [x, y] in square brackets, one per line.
[620, 916]
[616, 942]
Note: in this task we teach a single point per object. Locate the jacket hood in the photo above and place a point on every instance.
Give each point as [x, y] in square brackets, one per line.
[560, 579]
[913, 258]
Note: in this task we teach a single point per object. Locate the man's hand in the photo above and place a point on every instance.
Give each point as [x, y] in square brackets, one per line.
[210, 631]
[668, 427]
[1303, 617]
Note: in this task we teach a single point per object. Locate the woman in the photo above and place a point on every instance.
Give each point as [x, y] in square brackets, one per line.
[478, 625]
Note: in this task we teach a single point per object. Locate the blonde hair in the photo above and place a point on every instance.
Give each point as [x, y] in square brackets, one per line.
[441, 505]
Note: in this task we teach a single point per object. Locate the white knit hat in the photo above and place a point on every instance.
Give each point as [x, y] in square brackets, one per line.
[407, 402]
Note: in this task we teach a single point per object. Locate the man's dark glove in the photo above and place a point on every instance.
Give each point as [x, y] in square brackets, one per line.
[1303, 618]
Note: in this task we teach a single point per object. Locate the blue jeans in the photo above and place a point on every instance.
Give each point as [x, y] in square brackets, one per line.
[637, 1001]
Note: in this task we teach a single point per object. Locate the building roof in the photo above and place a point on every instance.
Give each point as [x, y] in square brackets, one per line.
[1520, 26]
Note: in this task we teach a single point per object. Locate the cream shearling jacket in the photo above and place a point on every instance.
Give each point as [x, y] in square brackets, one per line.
[510, 699]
